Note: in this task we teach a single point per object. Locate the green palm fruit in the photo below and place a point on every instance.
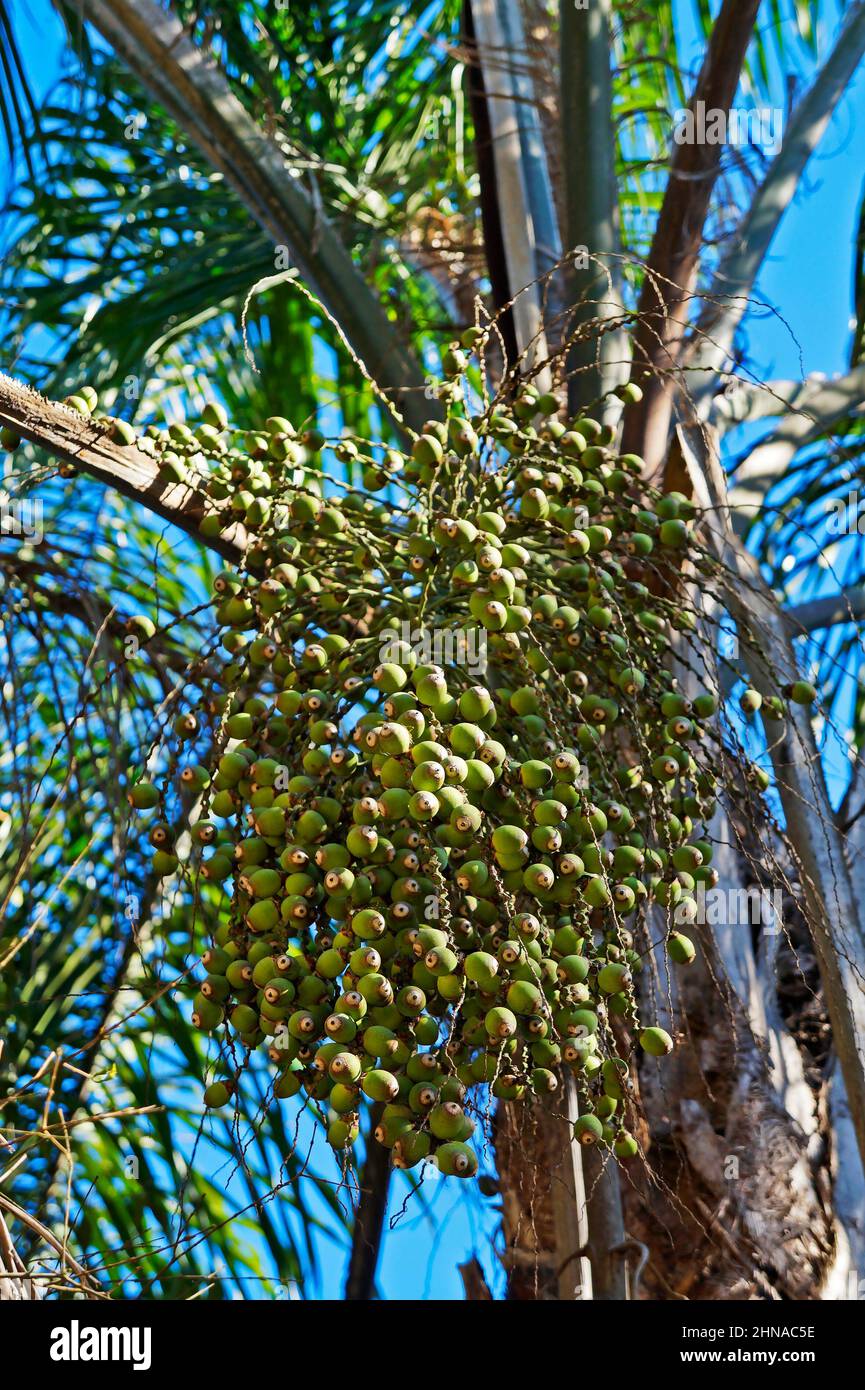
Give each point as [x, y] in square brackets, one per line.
[216, 960]
[395, 1122]
[500, 1022]
[330, 965]
[457, 1160]
[800, 692]
[479, 776]
[576, 1052]
[393, 803]
[656, 1042]
[567, 940]
[207, 1014]
[428, 777]
[625, 1145]
[484, 1067]
[423, 806]
[143, 796]
[303, 1025]
[582, 1023]
[680, 949]
[120, 431]
[287, 1085]
[673, 704]
[475, 704]
[450, 987]
[263, 915]
[596, 892]
[572, 969]
[376, 989]
[368, 924]
[310, 990]
[263, 967]
[343, 1099]
[758, 776]
[665, 767]
[390, 677]
[614, 1071]
[441, 961]
[523, 997]
[239, 974]
[570, 866]
[410, 1001]
[640, 544]
[681, 727]
[422, 1097]
[262, 882]
[423, 1066]
[543, 1081]
[481, 967]
[567, 770]
[750, 701]
[379, 1042]
[466, 819]
[549, 811]
[243, 1019]
[613, 977]
[627, 860]
[342, 1133]
[164, 864]
[624, 897]
[335, 866]
[217, 1094]
[427, 450]
[364, 961]
[538, 878]
[473, 876]
[687, 858]
[380, 1085]
[590, 823]
[673, 533]
[160, 835]
[448, 1121]
[411, 1148]
[773, 707]
[588, 1130]
[536, 774]
[507, 1087]
[344, 1067]
[324, 1055]
[705, 706]
[352, 1005]
[452, 1089]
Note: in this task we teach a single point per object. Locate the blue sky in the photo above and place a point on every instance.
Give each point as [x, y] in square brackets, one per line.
[808, 278]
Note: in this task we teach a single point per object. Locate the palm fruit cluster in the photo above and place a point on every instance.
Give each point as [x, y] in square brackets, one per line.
[446, 773]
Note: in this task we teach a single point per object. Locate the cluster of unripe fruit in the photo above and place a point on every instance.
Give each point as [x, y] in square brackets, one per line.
[434, 863]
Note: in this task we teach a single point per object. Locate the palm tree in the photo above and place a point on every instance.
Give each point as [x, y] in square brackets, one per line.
[273, 209]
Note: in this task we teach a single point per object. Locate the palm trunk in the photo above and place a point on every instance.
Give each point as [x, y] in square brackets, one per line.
[369, 1218]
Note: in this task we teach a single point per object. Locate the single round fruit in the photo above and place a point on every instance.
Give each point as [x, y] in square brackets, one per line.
[656, 1042]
